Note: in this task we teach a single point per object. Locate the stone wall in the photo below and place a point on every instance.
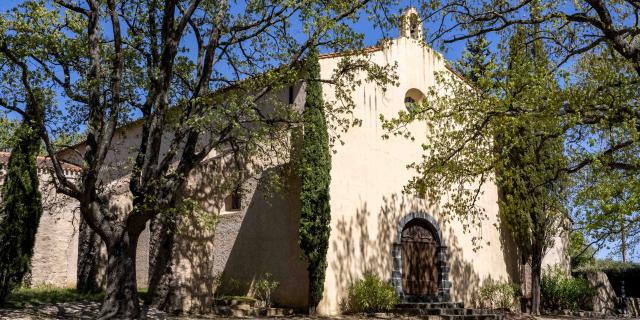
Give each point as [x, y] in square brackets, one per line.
[56, 247]
[604, 300]
[55, 255]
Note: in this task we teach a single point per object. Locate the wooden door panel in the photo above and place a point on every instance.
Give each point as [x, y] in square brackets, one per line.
[419, 257]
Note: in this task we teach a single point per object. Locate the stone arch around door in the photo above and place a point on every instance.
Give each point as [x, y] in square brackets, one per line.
[442, 268]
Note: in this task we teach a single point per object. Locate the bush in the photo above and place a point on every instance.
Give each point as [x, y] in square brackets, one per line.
[370, 294]
[265, 288]
[498, 295]
[561, 292]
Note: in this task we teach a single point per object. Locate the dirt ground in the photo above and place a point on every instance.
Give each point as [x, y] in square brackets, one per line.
[88, 310]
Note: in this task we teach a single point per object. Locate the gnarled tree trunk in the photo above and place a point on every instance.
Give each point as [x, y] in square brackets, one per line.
[88, 259]
[160, 271]
[121, 295]
[536, 274]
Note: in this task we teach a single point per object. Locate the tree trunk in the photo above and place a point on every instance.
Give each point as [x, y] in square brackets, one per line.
[121, 296]
[312, 310]
[160, 272]
[88, 259]
[536, 273]
[623, 241]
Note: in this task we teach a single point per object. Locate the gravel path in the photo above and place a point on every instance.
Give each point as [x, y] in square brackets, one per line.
[88, 310]
[67, 310]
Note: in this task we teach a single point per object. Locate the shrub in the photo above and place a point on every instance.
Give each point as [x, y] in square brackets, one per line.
[560, 291]
[370, 294]
[264, 289]
[498, 295]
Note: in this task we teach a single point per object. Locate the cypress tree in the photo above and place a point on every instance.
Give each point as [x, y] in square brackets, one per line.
[315, 168]
[477, 59]
[21, 206]
[531, 179]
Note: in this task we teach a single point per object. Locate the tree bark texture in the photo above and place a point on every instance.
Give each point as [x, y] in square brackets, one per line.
[89, 244]
[536, 274]
[121, 295]
[161, 246]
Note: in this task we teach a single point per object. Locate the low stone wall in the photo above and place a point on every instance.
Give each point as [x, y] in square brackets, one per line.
[604, 301]
[633, 307]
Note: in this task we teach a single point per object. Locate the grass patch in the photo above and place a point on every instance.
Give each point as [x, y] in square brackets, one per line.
[23, 297]
[142, 294]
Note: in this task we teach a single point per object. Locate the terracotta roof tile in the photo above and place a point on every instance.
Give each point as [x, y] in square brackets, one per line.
[340, 54]
[43, 163]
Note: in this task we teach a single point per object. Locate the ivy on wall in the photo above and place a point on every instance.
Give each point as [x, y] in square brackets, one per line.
[315, 171]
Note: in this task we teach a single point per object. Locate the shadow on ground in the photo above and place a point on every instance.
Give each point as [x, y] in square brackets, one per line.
[67, 310]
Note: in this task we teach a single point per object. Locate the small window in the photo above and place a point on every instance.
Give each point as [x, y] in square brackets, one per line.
[410, 104]
[233, 202]
[413, 27]
[414, 30]
[412, 98]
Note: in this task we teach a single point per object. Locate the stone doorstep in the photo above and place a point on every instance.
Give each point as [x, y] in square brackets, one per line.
[276, 312]
[457, 312]
[430, 305]
[580, 313]
[241, 311]
[235, 302]
[446, 311]
[472, 317]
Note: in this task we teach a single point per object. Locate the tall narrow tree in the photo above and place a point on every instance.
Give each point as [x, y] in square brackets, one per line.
[21, 206]
[315, 215]
[531, 177]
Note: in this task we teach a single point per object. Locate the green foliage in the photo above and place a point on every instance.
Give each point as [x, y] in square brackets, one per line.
[608, 265]
[7, 128]
[477, 60]
[561, 291]
[608, 207]
[315, 169]
[370, 294]
[265, 287]
[20, 210]
[530, 173]
[607, 202]
[580, 253]
[499, 295]
[23, 297]
[63, 140]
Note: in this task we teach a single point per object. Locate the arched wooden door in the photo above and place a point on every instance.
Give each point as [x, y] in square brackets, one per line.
[419, 259]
